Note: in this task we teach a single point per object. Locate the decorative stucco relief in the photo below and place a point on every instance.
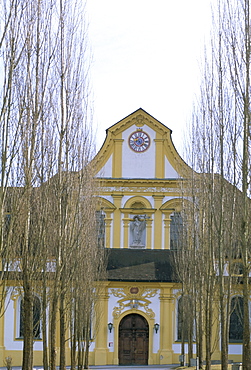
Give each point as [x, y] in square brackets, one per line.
[16, 292]
[133, 298]
[139, 121]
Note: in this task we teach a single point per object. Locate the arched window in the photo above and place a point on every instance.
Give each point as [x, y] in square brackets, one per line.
[177, 231]
[236, 319]
[100, 228]
[36, 318]
[182, 324]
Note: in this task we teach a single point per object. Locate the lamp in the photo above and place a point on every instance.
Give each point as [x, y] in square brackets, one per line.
[110, 326]
[156, 327]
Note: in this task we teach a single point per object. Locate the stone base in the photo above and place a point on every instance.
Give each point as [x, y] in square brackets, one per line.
[100, 356]
[165, 357]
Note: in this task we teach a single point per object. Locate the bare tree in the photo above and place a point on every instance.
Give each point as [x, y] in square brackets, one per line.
[221, 122]
[46, 142]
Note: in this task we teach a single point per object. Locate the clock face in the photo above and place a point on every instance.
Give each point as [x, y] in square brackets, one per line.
[139, 141]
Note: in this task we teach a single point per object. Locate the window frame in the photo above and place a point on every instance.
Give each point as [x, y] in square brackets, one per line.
[238, 323]
[19, 319]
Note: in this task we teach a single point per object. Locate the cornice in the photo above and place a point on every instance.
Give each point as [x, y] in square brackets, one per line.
[139, 119]
[107, 181]
[140, 186]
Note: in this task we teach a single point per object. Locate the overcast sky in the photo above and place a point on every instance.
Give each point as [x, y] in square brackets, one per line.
[146, 54]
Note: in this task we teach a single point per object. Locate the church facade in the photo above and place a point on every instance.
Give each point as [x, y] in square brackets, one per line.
[138, 170]
[140, 173]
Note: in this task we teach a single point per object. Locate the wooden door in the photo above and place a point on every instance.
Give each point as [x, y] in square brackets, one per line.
[133, 340]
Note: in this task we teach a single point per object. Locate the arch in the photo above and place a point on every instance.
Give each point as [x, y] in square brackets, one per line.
[175, 222]
[104, 215]
[136, 201]
[133, 340]
[105, 204]
[135, 206]
[149, 319]
[172, 205]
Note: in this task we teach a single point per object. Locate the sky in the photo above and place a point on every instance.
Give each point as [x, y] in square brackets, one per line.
[146, 54]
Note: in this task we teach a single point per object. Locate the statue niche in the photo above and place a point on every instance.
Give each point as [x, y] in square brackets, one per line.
[138, 232]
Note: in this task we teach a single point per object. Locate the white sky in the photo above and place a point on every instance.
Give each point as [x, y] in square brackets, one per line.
[146, 55]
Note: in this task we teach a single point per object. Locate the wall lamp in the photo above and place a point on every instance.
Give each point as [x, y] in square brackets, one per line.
[156, 327]
[110, 326]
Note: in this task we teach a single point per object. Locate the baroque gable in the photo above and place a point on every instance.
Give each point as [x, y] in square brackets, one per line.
[139, 147]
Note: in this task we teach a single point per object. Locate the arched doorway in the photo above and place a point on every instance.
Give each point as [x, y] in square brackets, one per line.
[133, 340]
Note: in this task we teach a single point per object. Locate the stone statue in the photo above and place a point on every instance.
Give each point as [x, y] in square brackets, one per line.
[137, 231]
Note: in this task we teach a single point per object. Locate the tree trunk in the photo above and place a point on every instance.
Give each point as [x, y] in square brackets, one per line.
[62, 331]
[44, 324]
[27, 327]
[53, 318]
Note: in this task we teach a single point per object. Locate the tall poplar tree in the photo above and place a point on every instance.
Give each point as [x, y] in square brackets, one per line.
[222, 125]
[47, 183]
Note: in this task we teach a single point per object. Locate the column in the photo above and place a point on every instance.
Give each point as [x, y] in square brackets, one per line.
[166, 326]
[117, 220]
[149, 233]
[117, 159]
[108, 222]
[167, 222]
[101, 350]
[126, 222]
[159, 159]
[158, 198]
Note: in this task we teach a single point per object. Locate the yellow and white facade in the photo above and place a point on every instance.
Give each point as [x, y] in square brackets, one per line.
[138, 171]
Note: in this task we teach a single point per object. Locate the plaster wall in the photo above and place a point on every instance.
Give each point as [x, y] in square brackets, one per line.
[11, 342]
[106, 170]
[170, 172]
[235, 349]
[107, 197]
[138, 165]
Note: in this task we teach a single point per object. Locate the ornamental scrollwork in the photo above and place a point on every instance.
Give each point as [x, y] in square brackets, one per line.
[16, 292]
[118, 292]
[134, 298]
[149, 293]
[117, 310]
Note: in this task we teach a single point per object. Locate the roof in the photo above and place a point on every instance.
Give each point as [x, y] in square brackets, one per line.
[139, 110]
[141, 265]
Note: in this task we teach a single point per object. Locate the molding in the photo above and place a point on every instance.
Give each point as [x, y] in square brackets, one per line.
[105, 204]
[139, 186]
[174, 182]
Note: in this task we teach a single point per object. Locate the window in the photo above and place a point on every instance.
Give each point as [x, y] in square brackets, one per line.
[236, 319]
[236, 269]
[182, 325]
[6, 226]
[36, 318]
[100, 228]
[176, 231]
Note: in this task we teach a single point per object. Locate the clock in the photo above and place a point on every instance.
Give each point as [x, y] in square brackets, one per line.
[139, 141]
